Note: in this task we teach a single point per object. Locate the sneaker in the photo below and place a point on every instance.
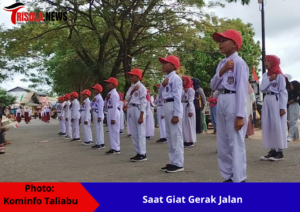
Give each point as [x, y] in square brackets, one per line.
[279, 156]
[121, 132]
[96, 147]
[131, 159]
[87, 143]
[228, 181]
[165, 168]
[62, 134]
[102, 146]
[59, 133]
[289, 140]
[148, 137]
[271, 153]
[162, 140]
[188, 145]
[67, 137]
[129, 135]
[173, 169]
[107, 131]
[2, 149]
[139, 158]
[112, 151]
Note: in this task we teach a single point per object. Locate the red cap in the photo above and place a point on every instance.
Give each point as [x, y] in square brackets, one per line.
[229, 34]
[113, 81]
[75, 94]
[86, 92]
[136, 72]
[97, 87]
[67, 96]
[170, 59]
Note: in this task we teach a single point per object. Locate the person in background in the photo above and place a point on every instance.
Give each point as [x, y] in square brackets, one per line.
[19, 114]
[160, 118]
[121, 106]
[250, 105]
[149, 126]
[213, 100]
[199, 102]
[293, 111]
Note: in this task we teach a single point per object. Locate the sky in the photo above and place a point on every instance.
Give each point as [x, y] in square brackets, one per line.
[282, 30]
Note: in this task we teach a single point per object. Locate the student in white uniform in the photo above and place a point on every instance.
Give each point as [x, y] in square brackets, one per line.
[274, 117]
[48, 114]
[171, 91]
[136, 98]
[68, 117]
[160, 118]
[231, 79]
[75, 116]
[189, 113]
[61, 116]
[97, 106]
[149, 126]
[113, 116]
[27, 115]
[19, 114]
[121, 105]
[127, 120]
[293, 111]
[85, 114]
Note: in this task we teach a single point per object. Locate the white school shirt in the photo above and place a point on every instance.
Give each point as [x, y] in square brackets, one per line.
[188, 97]
[113, 104]
[97, 104]
[138, 97]
[173, 90]
[67, 110]
[277, 86]
[75, 114]
[234, 81]
[85, 109]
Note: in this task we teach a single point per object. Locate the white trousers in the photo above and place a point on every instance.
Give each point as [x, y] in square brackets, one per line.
[75, 128]
[86, 129]
[174, 136]
[121, 120]
[62, 124]
[98, 126]
[293, 112]
[161, 122]
[137, 130]
[114, 130]
[128, 123]
[231, 143]
[69, 128]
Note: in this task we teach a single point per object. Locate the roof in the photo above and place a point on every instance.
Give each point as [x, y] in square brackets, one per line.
[31, 95]
[25, 89]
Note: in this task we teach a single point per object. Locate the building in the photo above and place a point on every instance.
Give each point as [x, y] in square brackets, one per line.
[19, 93]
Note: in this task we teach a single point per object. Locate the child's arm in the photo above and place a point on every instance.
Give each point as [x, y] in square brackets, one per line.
[242, 74]
[177, 92]
[216, 80]
[265, 83]
[283, 95]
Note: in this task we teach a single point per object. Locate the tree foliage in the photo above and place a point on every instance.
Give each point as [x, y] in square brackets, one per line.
[5, 98]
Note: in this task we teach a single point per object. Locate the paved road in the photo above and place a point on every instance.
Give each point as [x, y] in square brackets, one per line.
[59, 160]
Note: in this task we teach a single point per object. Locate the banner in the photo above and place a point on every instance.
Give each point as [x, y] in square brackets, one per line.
[152, 197]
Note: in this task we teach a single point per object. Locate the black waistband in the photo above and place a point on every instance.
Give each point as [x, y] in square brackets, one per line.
[110, 107]
[185, 101]
[134, 105]
[271, 93]
[225, 91]
[168, 100]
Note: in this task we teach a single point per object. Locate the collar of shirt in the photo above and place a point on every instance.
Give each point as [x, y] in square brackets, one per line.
[231, 57]
[112, 90]
[171, 74]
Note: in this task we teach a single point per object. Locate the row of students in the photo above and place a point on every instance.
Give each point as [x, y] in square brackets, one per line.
[230, 80]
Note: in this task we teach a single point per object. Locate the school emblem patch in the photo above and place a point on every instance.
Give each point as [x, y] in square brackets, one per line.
[136, 94]
[274, 84]
[230, 80]
[167, 89]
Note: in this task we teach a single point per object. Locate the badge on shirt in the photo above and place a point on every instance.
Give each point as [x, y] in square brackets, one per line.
[167, 89]
[136, 94]
[230, 80]
[274, 84]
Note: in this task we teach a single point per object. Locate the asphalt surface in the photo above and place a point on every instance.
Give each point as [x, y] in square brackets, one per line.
[38, 154]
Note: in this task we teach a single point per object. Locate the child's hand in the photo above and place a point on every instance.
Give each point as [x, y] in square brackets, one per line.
[175, 120]
[273, 77]
[282, 112]
[165, 82]
[228, 66]
[112, 122]
[190, 114]
[141, 120]
[239, 123]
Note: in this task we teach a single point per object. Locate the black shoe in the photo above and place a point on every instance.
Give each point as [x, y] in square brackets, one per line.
[279, 156]
[63, 134]
[112, 151]
[165, 168]
[271, 153]
[59, 133]
[228, 181]
[139, 158]
[173, 169]
[131, 159]
[129, 135]
[185, 144]
[148, 137]
[162, 140]
[102, 146]
[96, 146]
[121, 132]
[188, 145]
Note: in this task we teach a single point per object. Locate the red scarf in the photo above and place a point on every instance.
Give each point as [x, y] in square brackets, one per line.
[121, 96]
[148, 96]
[274, 63]
[188, 84]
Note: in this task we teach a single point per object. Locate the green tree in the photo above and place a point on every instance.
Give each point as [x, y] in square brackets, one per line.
[242, 1]
[5, 98]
